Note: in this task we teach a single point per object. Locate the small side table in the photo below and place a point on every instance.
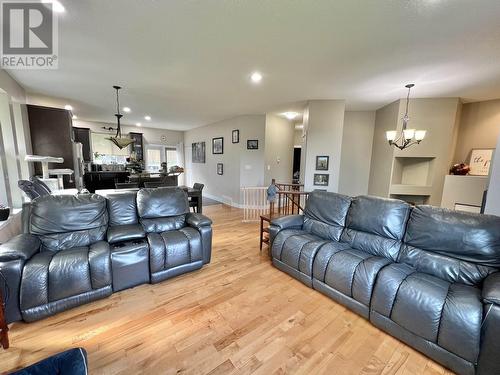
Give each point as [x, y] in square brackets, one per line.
[4, 329]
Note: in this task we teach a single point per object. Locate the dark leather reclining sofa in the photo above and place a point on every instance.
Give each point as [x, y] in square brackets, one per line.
[427, 276]
[77, 249]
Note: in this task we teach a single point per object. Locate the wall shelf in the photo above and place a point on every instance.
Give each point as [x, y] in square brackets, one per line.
[406, 189]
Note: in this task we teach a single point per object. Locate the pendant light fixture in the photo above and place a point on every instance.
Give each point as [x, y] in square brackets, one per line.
[407, 137]
[117, 139]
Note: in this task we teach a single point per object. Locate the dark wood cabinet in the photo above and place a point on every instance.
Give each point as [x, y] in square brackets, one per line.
[52, 135]
[82, 135]
[104, 180]
[138, 145]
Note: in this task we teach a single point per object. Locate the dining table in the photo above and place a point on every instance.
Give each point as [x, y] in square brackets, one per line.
[192, 193]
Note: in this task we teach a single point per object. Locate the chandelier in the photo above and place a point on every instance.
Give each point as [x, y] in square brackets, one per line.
[407, 137]
[117, 139]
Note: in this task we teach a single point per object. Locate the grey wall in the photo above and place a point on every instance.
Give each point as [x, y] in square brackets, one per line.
[479, 128]
[279, 149]
[242, 167]
[357, 141]
[386, 118]
[324, 126]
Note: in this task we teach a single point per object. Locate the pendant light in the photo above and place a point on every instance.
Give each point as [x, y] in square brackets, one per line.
[407, 137]
[117, 139]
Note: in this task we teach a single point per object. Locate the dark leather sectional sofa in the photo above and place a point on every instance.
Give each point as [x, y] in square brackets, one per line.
[81, 248]
[428, 276]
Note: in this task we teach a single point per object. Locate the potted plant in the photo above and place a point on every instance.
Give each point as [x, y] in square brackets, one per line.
[4, 212]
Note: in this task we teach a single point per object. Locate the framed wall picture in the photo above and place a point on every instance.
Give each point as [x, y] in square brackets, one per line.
[198, 152]
[321, 179]
[253, 144]
[220, 169]
[322, 163]
[235, 136]
[218, 145]
[480, 160]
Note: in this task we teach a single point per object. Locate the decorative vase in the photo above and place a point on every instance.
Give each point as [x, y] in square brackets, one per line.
[4, 213]
[460, 169]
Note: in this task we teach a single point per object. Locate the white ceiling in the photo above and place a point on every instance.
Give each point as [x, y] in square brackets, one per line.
[187, 63]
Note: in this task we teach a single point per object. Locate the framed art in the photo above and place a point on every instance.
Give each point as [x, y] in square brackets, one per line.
[198, 152]
[235, 136]
[480, 160]
[321, 179]
[218, 145]
[253, 144]
[220, 169]
[322, 163]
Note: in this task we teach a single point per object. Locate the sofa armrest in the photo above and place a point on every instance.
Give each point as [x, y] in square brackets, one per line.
[23, 246]
[126, 232]
[204, 226]
[284, 222]
[491, 289]
[289, 221]
[197, 221]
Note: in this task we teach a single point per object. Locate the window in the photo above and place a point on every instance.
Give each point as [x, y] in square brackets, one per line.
[153, 159]
[171, 156]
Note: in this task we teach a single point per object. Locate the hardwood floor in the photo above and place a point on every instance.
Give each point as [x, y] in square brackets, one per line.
[238, 315]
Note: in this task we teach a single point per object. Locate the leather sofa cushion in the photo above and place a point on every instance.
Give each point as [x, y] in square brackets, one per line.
[162, 202]
[455, 246]
[349, 271]
[52, 276]
[128, 232]
[297, 249]
[376, 225]
[171, 249]
[122, 208]
[444, 313]
[325, 214]
[67, 221]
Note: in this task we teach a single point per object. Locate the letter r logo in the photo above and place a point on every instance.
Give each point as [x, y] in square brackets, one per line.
[27, 28]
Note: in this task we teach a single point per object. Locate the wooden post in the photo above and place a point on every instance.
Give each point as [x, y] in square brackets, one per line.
[4, 329]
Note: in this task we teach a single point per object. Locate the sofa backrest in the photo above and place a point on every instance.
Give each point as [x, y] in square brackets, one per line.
[376, 225]
[452, 245]
[122, 208]
[162, 209]
[66, 221]
[325, 214]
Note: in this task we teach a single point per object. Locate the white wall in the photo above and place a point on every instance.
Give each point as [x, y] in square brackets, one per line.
[150, 135]
[324, 137]
[493, 198]
[355, 162]
[15, 140]
[279, 149]
[386, 118]
[242, 167]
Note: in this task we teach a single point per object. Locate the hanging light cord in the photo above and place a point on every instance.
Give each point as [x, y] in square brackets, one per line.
[407, 101]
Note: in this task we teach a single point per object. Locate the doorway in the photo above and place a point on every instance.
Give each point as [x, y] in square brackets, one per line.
[296, 165]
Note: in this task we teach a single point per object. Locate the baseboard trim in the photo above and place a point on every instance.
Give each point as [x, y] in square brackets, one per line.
[223, 200]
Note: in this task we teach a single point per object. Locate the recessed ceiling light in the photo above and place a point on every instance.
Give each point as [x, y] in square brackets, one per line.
[74, 117]
[67, 107]
[290, 115]
[256, 77]
[126, 109]
[56, 5]
[147, 118]
[138, 124]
